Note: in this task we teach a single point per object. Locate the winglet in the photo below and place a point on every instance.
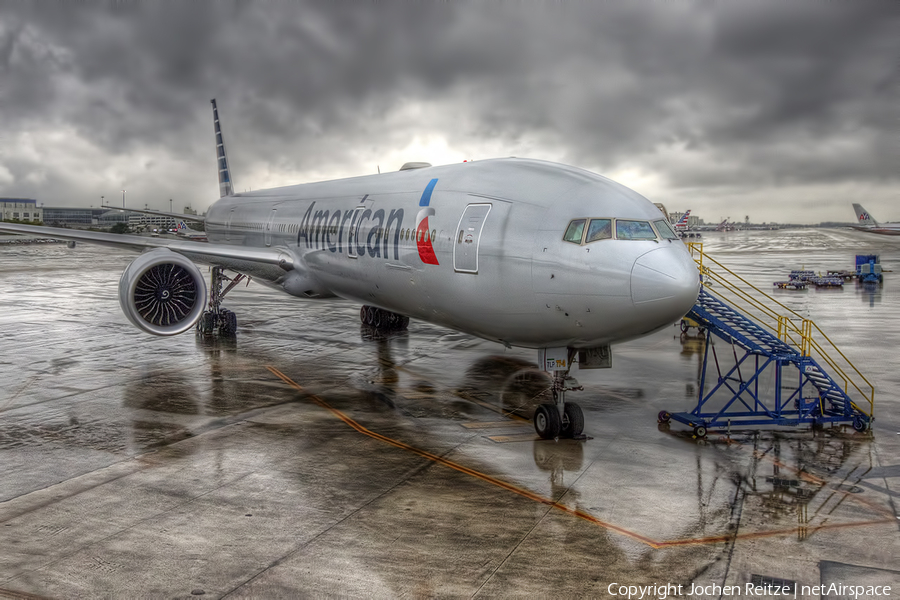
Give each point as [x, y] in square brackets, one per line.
[226, 187]
[863, 217]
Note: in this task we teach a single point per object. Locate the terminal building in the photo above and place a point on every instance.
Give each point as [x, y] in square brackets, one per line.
[144, 221]
[67, 216]
[20, 209]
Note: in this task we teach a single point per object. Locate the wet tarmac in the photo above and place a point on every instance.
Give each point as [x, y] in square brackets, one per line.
[310, 456]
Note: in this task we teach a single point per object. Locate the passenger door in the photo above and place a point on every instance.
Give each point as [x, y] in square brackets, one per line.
[465, 251]
[228, 226]
[269, 225]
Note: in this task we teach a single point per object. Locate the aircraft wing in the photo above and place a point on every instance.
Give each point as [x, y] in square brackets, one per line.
[160, 213]
[199, 251]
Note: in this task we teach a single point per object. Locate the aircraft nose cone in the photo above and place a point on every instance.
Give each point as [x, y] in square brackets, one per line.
[665, 282]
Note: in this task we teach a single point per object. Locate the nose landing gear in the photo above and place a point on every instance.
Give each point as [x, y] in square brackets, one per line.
[561, 418]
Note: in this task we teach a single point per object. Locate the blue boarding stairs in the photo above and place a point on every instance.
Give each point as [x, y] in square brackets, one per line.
[775, 368]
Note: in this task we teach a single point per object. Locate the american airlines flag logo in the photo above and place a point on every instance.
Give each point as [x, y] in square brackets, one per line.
[863, 216]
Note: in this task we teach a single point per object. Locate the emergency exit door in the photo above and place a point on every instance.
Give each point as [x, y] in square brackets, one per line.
[468, 238]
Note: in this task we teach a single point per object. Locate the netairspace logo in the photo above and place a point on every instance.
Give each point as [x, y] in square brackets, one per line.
[749, 590]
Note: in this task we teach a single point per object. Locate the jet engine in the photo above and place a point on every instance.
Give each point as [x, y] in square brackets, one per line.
[162, 292]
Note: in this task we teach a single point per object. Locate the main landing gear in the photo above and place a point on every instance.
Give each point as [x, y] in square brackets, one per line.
[561, 418]
[382, 319]
[215, 317]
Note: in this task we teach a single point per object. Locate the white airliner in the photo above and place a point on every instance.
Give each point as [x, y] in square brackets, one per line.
[521, 252]
[868, 224]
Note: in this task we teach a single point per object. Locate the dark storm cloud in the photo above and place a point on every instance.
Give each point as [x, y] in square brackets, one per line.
[706, 97]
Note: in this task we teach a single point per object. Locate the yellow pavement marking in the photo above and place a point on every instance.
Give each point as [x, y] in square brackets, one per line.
[516, 437]
[494, 425]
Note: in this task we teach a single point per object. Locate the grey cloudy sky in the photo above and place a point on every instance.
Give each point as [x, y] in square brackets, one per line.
[781, 110]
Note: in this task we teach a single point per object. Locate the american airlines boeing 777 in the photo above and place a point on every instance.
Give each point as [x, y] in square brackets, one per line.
[521, 252]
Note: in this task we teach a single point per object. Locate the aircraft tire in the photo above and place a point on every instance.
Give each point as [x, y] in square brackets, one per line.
[404, 322]
[227, 322]
[207, 323]
[573, 421]
[362, 314]
[547, 422]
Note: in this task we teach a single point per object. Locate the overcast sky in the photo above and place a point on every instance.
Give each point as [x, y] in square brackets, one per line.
[784, 110]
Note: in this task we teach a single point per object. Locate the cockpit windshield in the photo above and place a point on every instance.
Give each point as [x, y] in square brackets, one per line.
[586, 231]
[599, 229]
[575, 231]
[634, 230]
[665, 230]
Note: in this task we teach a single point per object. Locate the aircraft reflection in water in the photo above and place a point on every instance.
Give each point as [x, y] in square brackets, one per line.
[510, 386]
[521, 252]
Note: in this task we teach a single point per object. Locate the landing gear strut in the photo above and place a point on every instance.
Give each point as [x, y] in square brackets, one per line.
[561, 418]
[215, 317]
[382, 319]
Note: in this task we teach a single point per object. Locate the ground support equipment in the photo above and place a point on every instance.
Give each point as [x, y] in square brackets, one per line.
[807, 395]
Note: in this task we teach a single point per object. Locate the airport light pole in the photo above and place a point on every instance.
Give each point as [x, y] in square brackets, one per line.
[170, 205]
[101, 200]
[123, 198]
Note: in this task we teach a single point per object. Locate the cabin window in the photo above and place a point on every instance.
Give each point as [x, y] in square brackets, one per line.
[575, 231]
[433, 233]
[665, 230]
[634, 230]
[599, 229]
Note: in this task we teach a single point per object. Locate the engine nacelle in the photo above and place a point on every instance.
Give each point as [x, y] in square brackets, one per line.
[162, 292]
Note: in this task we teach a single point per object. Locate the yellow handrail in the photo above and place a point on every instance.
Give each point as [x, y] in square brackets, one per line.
[805, 338]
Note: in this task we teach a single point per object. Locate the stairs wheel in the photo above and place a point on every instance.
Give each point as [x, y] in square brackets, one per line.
[664, 416]
[860, 424]
[700, 431]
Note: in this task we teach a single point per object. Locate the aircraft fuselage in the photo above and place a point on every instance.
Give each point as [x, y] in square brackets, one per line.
[476, 246]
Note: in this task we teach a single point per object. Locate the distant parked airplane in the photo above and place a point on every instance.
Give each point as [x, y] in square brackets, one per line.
[868, 224]
[682, 224]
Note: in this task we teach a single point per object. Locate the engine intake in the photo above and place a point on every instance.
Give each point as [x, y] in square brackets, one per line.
[162, 292]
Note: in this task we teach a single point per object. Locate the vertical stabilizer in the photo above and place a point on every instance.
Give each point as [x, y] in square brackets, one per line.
[863, 217]
[226, 188]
